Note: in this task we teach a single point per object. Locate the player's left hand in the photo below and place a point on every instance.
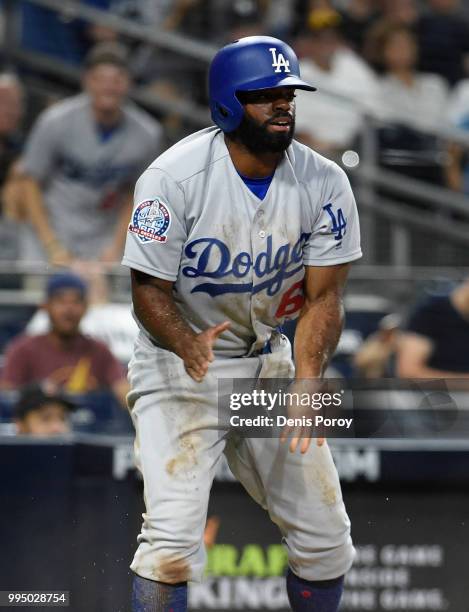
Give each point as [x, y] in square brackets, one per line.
[301, 436]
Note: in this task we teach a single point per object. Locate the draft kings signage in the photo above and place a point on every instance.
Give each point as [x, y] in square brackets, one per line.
[252, 577]
[411, 554]
[249, 577]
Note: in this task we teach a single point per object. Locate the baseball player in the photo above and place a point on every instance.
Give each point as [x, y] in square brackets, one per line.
[252, 228]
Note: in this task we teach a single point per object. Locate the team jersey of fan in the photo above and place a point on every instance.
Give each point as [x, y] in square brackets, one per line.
[86, 177]
[83, 365]
[230, 255]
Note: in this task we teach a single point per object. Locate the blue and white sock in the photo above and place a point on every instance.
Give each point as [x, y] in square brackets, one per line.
[314, 596]
[151, 596]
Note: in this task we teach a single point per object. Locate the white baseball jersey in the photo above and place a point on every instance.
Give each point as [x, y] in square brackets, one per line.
[231, 255]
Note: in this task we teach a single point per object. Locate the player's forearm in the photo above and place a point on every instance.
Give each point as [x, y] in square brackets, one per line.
[158, 313]
[317, 334]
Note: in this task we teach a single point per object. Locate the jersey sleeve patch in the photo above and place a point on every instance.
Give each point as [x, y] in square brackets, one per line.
[151, 221]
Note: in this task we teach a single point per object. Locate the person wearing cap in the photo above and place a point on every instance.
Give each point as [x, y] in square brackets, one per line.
[79, 164]
[64, 357]
[39, 413]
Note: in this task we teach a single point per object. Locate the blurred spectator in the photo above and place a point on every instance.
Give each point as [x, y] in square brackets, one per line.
[166, 74]
[11, 115]
[38, 413]
[444, 40]
[110, 322]
[357, 18]
[458, 116]
[375, 357]
[80, 164]
[325, 122]
[408, 99]
[405, 93]
[64, 358]
[394, 13]
[11, 142]
[436, 340]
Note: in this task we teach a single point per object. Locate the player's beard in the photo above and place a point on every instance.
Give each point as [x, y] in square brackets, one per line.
[257, 139]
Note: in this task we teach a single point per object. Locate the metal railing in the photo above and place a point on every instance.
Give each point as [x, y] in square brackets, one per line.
[413, 210]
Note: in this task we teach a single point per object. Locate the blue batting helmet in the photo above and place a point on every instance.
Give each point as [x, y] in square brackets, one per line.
[249, 64]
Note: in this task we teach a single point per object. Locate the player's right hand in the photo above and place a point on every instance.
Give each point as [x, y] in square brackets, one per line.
[300, 436]
[199, 354]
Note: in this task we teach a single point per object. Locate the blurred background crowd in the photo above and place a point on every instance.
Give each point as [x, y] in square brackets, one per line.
[92, 90]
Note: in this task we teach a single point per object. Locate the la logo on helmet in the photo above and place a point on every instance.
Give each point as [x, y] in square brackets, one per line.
[278, 61]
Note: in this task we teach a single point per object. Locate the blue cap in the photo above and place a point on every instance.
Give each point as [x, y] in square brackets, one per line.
[65, 280]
